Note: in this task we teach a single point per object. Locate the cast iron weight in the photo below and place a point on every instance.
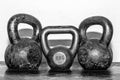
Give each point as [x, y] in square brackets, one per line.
[60, 58]
[94, 54]
[23, 54]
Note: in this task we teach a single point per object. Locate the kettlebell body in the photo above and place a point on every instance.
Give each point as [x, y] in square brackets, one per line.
[94, 54]
[23, 54]
[60, 58]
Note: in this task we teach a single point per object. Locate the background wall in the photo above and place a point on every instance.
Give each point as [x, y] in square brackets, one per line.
[61, 12]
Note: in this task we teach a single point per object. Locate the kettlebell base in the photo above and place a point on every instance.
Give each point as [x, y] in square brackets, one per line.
[22, 71]
[59, 70]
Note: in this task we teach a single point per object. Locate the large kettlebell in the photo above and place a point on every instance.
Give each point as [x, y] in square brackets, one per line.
[23, 54]
[60, 58]
[94, 54]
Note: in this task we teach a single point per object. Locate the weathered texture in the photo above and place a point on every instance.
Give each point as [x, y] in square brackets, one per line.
[26, 54]
[93, 55]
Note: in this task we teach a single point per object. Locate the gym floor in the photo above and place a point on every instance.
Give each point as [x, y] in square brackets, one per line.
[76, 73]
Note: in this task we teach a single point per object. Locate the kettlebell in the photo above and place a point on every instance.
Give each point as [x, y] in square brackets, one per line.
[95, 54]
[60, 58]
[23, 54]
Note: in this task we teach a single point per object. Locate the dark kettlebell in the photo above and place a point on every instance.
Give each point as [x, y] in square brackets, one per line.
[60, 58]
[94, 54]
[23, 54]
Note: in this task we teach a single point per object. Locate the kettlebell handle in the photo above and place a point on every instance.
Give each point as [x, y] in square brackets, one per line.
[22, 18]
[97, 20]
[60, 30]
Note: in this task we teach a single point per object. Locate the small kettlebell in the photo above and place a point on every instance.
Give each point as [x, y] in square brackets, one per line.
[23, 54]
[60, 58]
[94, 54]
